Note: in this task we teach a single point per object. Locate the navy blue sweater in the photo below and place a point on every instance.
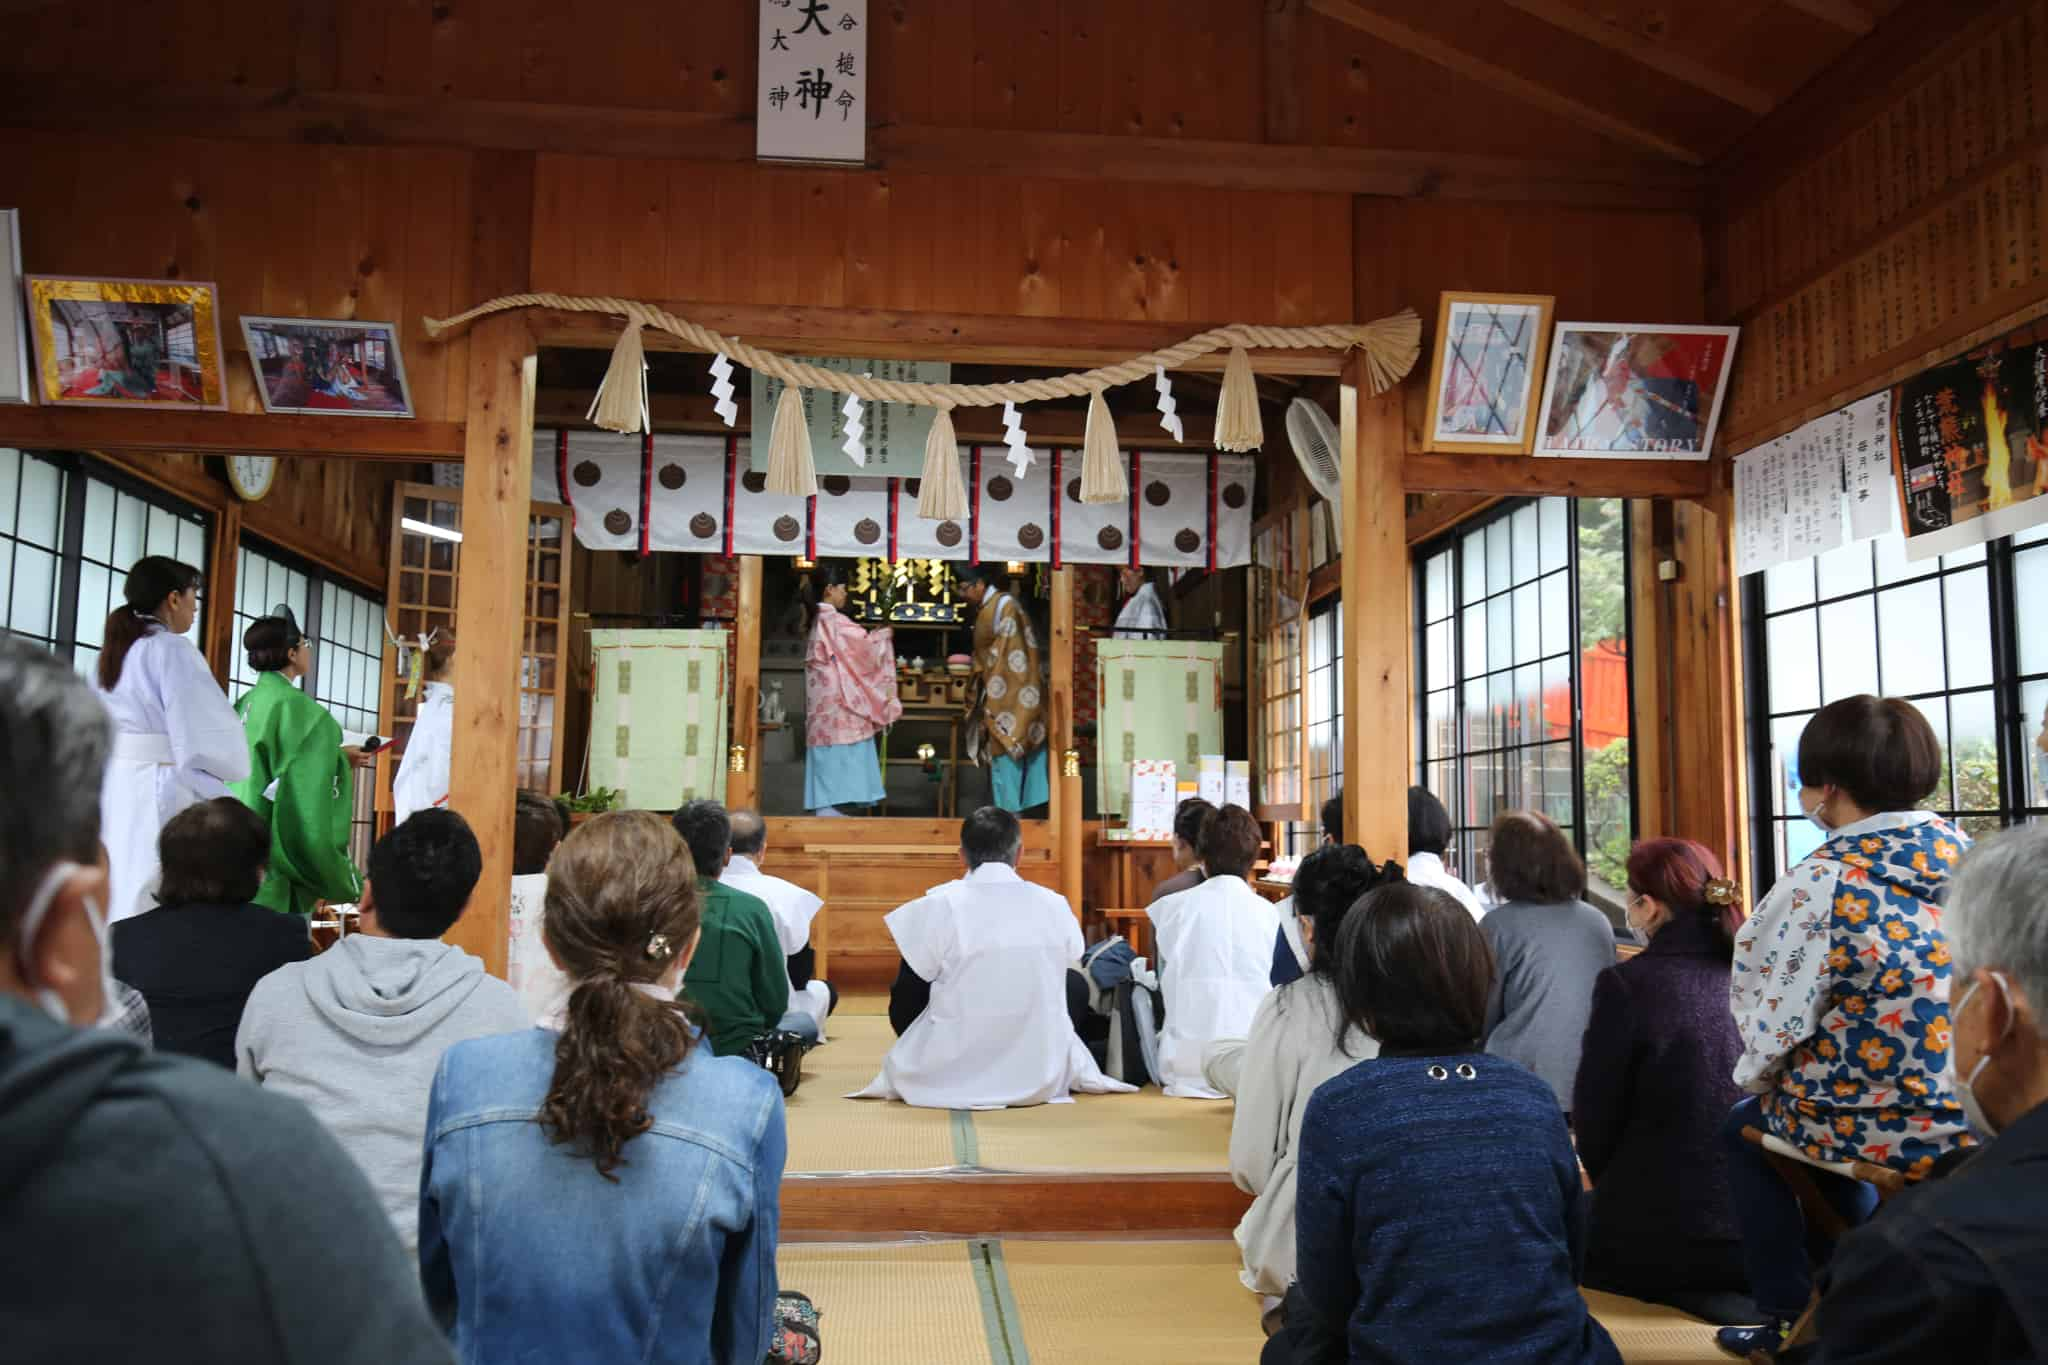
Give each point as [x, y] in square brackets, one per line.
[1439, 1219]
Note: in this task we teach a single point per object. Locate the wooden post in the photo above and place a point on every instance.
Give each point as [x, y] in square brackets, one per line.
[490, 610]
[1066, 790]
[222, 562]
[1710, 801]
[743, 789]
[1376, 595]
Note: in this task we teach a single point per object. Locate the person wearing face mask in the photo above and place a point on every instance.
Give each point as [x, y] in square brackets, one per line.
[158, 1205]
[177, 742]
[1955, 1269]
[1655, 1081]
[1840, 993]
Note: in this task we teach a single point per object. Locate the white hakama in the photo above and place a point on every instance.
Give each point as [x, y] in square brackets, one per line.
[792, 908]
[1215, 966]
[422, 779]
[995, 949]
[176, 743]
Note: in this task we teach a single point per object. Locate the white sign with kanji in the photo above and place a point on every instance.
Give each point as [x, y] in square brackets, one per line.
[812, 97]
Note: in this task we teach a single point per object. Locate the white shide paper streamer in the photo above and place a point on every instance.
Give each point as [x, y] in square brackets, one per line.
[1013, 437]
[1169, 411]
[855, 450]
[721, 390]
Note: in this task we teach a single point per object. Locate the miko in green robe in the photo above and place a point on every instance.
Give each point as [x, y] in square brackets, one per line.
[300, 781]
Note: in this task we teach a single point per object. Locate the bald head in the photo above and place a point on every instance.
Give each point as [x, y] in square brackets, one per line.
[749, 834]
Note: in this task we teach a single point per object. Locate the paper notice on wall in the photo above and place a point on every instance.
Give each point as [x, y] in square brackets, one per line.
[1759, 508]
[1154, 794]
[1869, 488]
[811, 81]
[1813, 503]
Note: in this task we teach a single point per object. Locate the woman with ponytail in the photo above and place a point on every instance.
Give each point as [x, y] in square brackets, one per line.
[177, 742]
[1656, 1080]
[602, 1187]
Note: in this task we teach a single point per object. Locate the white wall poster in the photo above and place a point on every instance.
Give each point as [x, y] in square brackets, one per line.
[811, 99]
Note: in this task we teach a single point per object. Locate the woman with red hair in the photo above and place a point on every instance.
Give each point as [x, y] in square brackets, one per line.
[1655, 1083]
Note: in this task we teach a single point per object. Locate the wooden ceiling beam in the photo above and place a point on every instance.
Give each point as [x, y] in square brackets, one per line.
[1281, 49]
[72, 105]
[1528, 476]
[887, 334]
[228, 433]
[1452, 58]
[1842, 14]
[1647, 52]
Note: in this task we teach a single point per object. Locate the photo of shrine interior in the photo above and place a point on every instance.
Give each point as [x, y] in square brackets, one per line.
[1024, 681]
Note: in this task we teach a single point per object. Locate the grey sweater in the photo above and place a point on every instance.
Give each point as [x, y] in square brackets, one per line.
[1545, 960]
[357, 1033]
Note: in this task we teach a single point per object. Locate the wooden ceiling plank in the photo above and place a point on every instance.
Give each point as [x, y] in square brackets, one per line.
[1281, 50]
[1452, 58]
[1646, 52]
[1843, 14]
[69, 104]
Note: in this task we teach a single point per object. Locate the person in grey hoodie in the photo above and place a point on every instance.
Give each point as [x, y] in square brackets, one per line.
[358, 1032]
[156, 1208]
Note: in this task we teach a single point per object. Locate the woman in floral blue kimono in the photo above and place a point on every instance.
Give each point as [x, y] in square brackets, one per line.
[1840, 992]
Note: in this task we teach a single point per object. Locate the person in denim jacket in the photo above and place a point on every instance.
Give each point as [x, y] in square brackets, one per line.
[552, 1226]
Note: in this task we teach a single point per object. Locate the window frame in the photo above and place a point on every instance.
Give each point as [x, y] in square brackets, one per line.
[2006, 690]
[1462, 860]
[79, 472]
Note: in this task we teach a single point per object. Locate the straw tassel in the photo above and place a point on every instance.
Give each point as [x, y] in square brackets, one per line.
[1238, 425]
[790, 468]
[1390, 348]
[621, 401]
[941, 496]
[1102, 467]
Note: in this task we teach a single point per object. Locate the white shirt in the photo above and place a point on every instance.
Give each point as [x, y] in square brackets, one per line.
[543, 987]
[422, 780]
[177, 742]
[1427, 869]
[1215, 965]
[1143, 617]
[996, 949]
[790, 905]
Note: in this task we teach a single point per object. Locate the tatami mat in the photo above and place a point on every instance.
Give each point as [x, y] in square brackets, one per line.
[1081, 1303]
[828, 1132]
[1650, 1332]
[893, 1304]
[1141, 1132]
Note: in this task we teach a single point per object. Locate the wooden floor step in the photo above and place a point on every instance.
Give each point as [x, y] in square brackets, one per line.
[979, 1203]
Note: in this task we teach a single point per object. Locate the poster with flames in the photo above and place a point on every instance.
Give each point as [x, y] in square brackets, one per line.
[1970, 445]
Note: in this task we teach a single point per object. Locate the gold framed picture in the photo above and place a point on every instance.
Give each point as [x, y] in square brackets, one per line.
[1484, 372]
[126, 343]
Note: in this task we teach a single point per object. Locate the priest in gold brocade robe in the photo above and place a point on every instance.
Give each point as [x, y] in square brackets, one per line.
[1006, 710]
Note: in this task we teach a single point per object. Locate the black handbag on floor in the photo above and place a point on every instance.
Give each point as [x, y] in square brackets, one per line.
[781, 1054]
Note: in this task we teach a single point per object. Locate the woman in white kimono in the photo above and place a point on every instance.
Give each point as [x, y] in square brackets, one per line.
[992, 952]
[422, 780]
[177, 742]
[849, 698]
[1215, 947]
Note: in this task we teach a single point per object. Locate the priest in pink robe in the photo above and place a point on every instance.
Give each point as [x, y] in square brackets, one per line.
[850, 691]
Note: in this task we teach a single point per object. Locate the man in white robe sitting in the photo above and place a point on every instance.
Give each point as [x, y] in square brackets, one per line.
[994, 950]
[792, 908]
[1216, 945]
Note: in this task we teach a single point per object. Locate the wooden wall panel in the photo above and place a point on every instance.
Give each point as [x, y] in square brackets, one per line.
[957, 244]
[375, 233]
[1917, 226]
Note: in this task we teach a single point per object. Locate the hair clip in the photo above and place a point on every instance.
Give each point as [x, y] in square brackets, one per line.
[660, 949]
[1721, 891]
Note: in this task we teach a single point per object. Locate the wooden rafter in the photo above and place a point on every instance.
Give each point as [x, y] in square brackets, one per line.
[1843, 14]
[1452, 58]
[1647, 52]
[1527, 476]
[71, 104]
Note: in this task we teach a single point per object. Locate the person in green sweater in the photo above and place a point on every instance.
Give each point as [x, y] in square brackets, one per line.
[300, 779]
[739, 977]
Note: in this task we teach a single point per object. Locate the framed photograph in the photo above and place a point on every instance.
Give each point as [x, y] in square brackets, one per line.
[126, 343]
[1484, 374]
[330, 366]
[14, 380]
[1634, 392]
